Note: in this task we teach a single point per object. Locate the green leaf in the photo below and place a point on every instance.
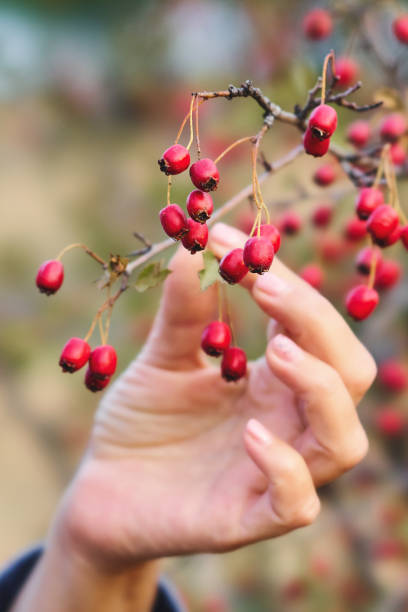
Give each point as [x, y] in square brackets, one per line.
[209, 274]
[151, 276]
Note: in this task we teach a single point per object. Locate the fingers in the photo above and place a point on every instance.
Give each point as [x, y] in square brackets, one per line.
[290, 500]
[306, 316]
[334, 440]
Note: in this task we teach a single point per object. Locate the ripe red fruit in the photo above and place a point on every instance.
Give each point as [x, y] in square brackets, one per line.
[366, 257]
[93, 383]
[387, 274]
[174, 221]
[317, 24]
[175, 159]
[398, 154]
[404, 236]
[391, 239]
[332, 248]
[290, 223]
[200, 205]
[322, 215]
[196, 238]
[232, 267]
[313, 275]
[325, 175]
[204, 174]
[393, 374]
[355, 229]
[346, 70]
[315, 146]
[359, 133]
[258, 254]
[323, 121]
[102, 361]
[393, 127]
[361, 301]
[369, 198]
[74, 355]
[216, 338]
[382, 222]
[234, 364]
[390, 422]
[400, 28]
[50, 276]
[271, 232]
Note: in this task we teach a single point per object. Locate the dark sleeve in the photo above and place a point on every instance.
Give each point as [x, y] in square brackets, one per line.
[14, 576]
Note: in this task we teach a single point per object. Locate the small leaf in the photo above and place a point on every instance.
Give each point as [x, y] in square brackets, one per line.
[151, 276]
[209, 274]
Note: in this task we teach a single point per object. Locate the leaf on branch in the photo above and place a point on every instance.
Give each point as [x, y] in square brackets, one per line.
[391, 98]
[151, 276]
[209, 274]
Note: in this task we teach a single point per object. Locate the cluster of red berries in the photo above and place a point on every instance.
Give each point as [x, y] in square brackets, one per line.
[216, 341]
[321, 126]
[392, 128]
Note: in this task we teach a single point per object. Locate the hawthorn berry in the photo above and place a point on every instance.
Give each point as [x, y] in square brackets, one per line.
[346, 71]
[234, 364]
[404, 236]
[359, 133]
[271, 232]
[387, 274]
[175, 159]
[361, 301]
[390, 422]
[50, 276]
[93, 383]
[368, 199]
[74, 355]
[258, 254]
[323, 121]
[102, 361]
[322, 215]
[290, 223]
[315, 146]
[393, 375]
[232, 267]
[393, 127]
[400, 28]
[174, 221]
[331, 248]
[196, 238]
[355, 229]
[391, 239]
[324, 175]
[216, 338]
[366, 258]
[199, 205]
[397, 154]
[317, 24]
[382, 222]
[204, 174]
[312, 274]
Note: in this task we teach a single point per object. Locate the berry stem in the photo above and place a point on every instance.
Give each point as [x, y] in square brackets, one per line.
[78, 245]
[373, 266]
[329, 56]
[229, 317]
[101, 330]
[232, 146]
[196, 127]
[190, 142]
[168, 189]
[219, 297]
[183, 124]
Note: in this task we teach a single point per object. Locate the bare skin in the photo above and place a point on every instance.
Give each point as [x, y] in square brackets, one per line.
[181, 461]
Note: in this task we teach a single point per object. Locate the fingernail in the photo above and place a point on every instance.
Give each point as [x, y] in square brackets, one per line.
[286, 348]
[225, 235]
[258, 432]
[271, 285]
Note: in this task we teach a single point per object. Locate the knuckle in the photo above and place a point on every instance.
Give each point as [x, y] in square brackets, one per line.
[362, 378]
[354, 453]
[304, 514]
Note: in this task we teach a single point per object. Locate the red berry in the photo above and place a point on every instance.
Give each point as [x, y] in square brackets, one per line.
[393, 127]
[332, 248]
[361, 301]
[400, 28]
[102, 361]
[50, 276]
[366, 257]
[174, 221]
[391, 239]
[74, 355]
[397, 154]
[232, 267]
[234, 364]
[382, 222]
[323, 121]
[258, 254]
[271, 232]
[93, 383]
[404, 236]
[313, 275]
[355, 229]
[393, 374]
[196, 238]
[322, 215]
[290, 223]
[216, 338]
[315, 146]
[346, 70]
[369, 198]
[175, 159]
[317, 24]
[325, 175]
[200, 205]
[387, 274]
[359, 133]
[204, 174]
[390, 422]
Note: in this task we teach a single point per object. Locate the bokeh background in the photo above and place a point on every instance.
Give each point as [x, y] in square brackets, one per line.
[91, 93]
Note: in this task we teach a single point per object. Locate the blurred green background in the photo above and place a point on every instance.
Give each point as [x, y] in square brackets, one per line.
[91, 93]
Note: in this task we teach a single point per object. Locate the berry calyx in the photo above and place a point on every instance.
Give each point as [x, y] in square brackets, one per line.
[234, 364]
[315, 146]
[323, 121]
[387, 274]
[196, 237]
[50, 276]
[271, 232]
[312, 274]
[204, 174]
[74, 355]
[199, 205]
[369, 198]
[366, 258]
[174, 221]
[346, 71]
[216, 338]
[93, 383]
[290, 223]
[361, 302]
[400, 28]
[232, 267]
[393, 375]
[359, 133]
[317, 24]
[102, 361]
[322, 215]
[355, 229]
[382, 222]
[175, 159]
[393, 127]
[325, 175]
[258, 254]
